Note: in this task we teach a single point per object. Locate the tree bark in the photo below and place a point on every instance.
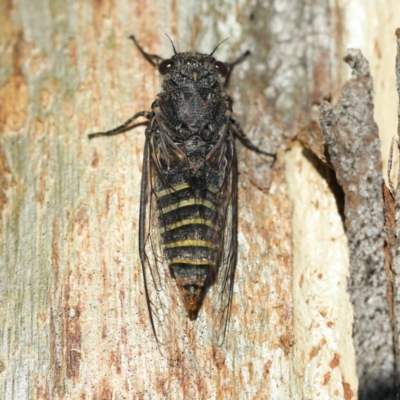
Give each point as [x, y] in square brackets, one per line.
[353, 147]
[74, 319]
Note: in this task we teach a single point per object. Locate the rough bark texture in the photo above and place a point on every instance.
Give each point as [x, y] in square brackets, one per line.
[352, 140]
[74, 322]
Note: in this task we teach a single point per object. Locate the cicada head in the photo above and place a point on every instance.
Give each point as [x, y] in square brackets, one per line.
[193, 94]
[192, 69]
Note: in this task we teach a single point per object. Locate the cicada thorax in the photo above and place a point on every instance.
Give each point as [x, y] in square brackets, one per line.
[190, 199]
[193, 105]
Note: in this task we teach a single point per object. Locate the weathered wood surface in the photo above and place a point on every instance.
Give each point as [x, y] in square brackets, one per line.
[73, 319]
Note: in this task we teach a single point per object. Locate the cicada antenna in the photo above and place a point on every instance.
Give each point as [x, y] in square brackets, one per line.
[218, 46]
[172, 44]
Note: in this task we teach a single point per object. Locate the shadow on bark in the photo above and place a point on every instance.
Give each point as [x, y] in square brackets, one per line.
[328, 174]
[380, 391]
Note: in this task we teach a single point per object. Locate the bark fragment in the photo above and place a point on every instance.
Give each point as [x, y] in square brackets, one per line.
[353, 145]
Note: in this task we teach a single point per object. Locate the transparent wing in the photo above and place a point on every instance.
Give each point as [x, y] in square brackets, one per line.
[166, 312]
[161, 292]
[222, 290]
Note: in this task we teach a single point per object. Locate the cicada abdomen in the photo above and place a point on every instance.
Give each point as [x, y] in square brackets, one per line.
[188, 206]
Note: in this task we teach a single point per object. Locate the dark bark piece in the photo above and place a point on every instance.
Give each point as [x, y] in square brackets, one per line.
[311, 138]
[353, 145]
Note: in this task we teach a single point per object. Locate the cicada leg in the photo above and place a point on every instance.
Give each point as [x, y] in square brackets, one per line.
[238, 131]
[153, 59]
[233, 64]
[124, 127]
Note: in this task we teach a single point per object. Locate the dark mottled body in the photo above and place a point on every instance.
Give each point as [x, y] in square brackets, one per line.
[193, 152]
[188, 211]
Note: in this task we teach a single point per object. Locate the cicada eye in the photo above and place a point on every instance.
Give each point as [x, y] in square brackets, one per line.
[221, 67]
[166, 66]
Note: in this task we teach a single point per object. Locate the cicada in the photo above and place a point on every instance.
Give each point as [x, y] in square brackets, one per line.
[188, 203]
